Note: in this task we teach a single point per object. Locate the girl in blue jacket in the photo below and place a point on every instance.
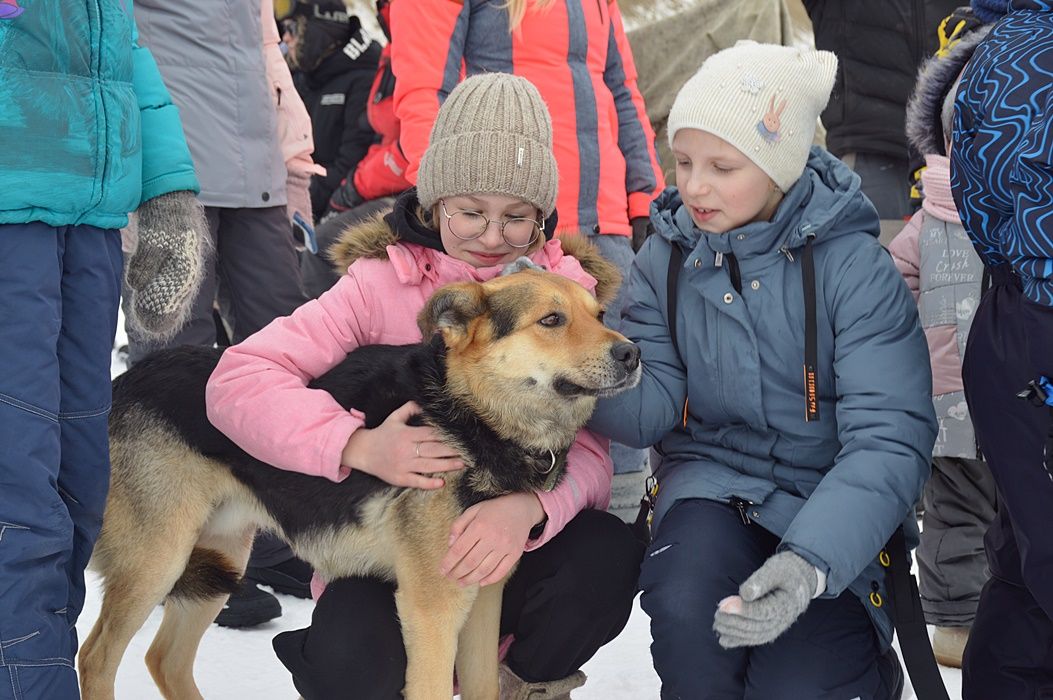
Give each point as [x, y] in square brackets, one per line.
[786, 384]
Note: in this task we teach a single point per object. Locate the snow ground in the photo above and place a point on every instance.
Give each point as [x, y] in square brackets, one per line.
[240, 664]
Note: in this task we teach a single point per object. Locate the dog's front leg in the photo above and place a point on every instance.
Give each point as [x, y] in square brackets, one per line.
[477, 646]
[432, 610]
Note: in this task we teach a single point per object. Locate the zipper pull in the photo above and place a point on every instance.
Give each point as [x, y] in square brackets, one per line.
[718, 259]
[786, 251]
[741, 504]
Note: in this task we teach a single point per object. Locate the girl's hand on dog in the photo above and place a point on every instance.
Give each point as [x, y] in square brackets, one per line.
[487, 540]
[401, 454]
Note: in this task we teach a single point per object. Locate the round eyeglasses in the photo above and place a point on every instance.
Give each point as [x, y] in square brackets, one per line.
[518, 232]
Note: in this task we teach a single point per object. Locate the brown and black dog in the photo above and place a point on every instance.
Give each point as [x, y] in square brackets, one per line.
[508, 372]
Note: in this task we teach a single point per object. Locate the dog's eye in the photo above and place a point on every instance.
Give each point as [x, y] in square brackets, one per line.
[599, 316]
[552, 320]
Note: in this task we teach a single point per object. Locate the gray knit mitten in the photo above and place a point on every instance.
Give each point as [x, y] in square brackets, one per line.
[168, 264]
[515, 688]
[771, 600]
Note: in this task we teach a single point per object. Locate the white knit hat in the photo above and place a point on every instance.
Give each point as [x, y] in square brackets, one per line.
[763, 99]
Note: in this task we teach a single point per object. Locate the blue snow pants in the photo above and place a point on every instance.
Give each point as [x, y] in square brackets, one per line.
[59, 290]
[1010, 651]
[701, 553]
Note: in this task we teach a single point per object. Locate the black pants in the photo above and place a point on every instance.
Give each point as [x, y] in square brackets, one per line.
[1010, 651]
[700, 554]
[564, 601]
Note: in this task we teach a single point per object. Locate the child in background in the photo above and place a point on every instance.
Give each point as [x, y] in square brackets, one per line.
[487, 184]
[936, 258]
[788, 391]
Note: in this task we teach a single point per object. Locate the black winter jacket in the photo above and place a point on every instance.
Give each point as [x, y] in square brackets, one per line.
[336, 93]
[879, 44]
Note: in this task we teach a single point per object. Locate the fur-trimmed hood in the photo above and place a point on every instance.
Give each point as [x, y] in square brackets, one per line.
[373, 238]
[936, 77]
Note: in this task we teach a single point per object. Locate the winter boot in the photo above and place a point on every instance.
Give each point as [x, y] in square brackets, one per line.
[515, 688]
[291, 577]
[948, 644]
[248, 606]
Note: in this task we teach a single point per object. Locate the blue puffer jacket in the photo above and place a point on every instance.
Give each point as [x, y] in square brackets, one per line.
[1002, 160]
[834, 489]
[87, 129]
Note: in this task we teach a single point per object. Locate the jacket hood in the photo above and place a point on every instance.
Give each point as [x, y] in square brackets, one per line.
[935, 79]
[372, 238]
[824, 203]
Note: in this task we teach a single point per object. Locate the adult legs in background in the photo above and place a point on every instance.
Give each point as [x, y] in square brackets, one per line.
[1010, 650]
[960, 503]
[60, 289]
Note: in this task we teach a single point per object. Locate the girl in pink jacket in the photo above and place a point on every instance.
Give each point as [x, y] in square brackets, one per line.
[486, 196]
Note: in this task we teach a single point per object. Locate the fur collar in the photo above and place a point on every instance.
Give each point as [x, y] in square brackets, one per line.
[936, 78]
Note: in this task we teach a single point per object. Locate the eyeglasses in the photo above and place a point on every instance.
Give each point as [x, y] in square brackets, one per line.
[518, 232]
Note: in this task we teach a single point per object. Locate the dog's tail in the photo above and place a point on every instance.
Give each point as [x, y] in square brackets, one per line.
[208, 574]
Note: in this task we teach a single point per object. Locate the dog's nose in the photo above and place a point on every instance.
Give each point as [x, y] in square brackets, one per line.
[628, 354]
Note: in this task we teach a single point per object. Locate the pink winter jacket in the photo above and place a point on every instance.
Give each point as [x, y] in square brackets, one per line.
[906, 252]
[258, 394]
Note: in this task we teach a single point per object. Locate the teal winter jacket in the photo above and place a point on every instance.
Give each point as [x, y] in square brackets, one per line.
[87, 129]
[835, 489]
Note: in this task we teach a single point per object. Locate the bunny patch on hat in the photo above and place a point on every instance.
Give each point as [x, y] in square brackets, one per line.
[763, 99]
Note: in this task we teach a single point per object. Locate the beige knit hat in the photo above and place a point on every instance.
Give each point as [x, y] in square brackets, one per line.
[763, 99]
[492, 135]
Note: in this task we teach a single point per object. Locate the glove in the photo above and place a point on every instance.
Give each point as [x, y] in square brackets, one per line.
[345, 196]
[641, 230]
[166, 269]
[298, 196]
[768, 602]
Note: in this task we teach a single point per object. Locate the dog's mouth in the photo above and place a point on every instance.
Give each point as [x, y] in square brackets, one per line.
[568, 388]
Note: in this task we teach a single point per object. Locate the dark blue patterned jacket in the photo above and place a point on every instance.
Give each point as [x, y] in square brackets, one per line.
[1002, 159]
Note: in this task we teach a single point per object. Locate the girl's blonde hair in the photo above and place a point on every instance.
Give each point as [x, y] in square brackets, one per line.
[517, 10]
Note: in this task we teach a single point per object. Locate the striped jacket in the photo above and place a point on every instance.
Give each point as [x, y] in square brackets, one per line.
[1003, 146]
[576, 53]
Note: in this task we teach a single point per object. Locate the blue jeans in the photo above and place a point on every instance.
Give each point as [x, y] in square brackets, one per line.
[60, 290]
[701, 553]
[619, 251]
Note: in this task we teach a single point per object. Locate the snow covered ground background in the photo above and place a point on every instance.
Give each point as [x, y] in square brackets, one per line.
[240, 664]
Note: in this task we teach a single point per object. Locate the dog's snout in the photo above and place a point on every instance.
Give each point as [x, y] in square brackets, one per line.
[628, 354]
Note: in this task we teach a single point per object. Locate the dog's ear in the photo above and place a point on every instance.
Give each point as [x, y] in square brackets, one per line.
[451, 310]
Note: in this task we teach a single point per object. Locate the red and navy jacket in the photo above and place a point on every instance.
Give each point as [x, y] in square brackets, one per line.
[576, 53]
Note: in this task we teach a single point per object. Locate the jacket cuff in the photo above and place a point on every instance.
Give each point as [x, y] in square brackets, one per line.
[640, 204]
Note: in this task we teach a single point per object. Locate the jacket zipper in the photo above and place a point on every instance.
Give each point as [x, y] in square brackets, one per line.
[741, 505]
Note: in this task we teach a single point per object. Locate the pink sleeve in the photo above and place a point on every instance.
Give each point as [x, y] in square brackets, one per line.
[907, 254]
[586, 484]
[258, 396]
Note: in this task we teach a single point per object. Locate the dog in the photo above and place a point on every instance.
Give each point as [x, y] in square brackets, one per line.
[507, 373]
